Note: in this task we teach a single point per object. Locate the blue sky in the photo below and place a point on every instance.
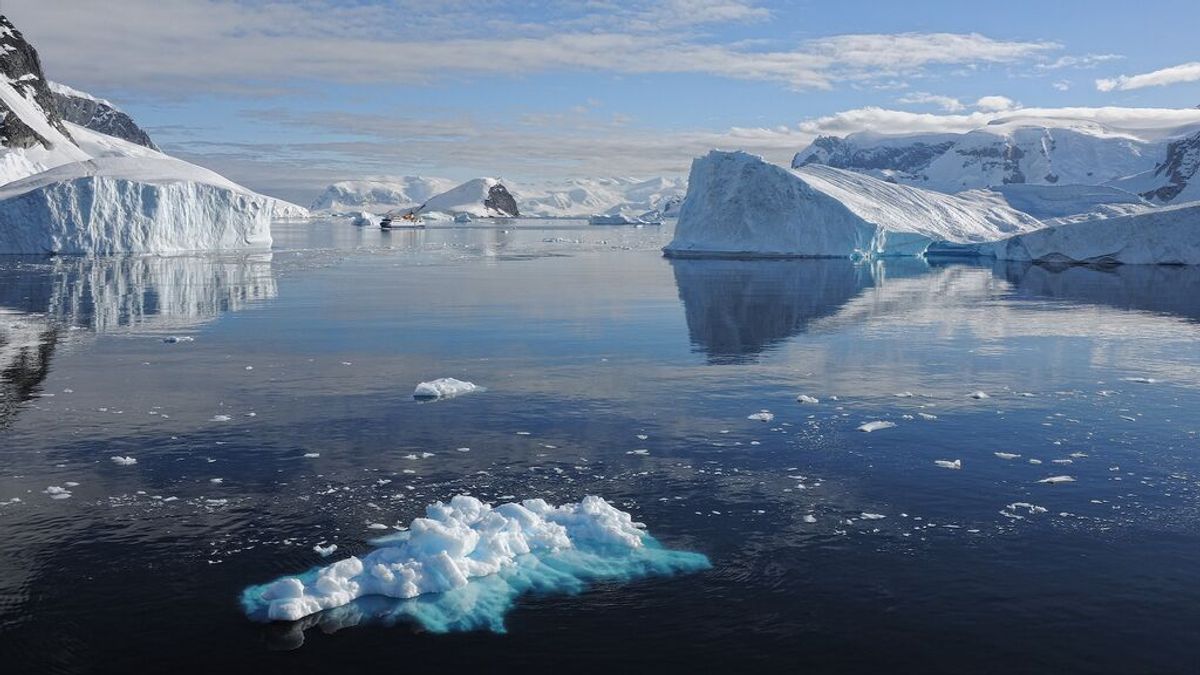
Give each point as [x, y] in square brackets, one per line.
[290, 95]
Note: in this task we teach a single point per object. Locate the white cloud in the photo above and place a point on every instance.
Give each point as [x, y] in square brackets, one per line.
[995, 104]
[946, 103]
[175, 47]
[1062, 85]
[1186, 72]
[1084, 61]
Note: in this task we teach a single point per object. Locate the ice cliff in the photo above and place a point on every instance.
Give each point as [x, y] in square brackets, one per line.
[740, 205]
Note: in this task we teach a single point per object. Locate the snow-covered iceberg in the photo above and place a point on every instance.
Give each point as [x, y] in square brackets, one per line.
[1165, 236]
[446, 387]
[131, 204]
[740, 205]
[464, 564]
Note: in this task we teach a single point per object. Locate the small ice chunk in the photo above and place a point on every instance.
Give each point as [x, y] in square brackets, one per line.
[872, 516]
[446, 387]
[638, 452]
[763, 416]
[312, 455]
[876, 426]
[1140, 380]
[1035, 461]
[904, 394]
[810, 518]
[949, 464]
[1006, 455]
[979, 395]
[1057, 479]
[123, 461]
[926, 416]
[175, 339]
[57, 492]
[325, 551]
[221, 418]
[808, 400]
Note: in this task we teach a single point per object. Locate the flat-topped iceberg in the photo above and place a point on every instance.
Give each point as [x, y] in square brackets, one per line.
[463, 565]
[740, 205]
[1165, 236]
[131, 205]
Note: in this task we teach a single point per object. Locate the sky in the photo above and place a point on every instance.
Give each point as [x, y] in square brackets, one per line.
[287, 96]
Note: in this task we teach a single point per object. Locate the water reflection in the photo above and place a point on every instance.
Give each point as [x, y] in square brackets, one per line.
[1161, 289]
[737, 309]
[44, 301]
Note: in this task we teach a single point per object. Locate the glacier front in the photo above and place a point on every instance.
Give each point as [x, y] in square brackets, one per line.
[739, 205]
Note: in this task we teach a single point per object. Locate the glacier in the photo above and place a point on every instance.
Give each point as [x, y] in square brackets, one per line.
[1167, 235]
[463, 565]
[739, 205]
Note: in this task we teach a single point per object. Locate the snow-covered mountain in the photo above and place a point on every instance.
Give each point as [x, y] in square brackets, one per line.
[583, 197]
[572, 198]
[65, 188]
[1012, 150]
[479, 197]
[380, 194]
[98, 114]
[1174, 180]
[739, 204]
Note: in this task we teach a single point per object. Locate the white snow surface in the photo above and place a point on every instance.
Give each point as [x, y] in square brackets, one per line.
[1062, 201]
[467, 198]
[446, 387]
[740, 205]
[380, 194]
[454, 543]
[586, 197]
[1167, 235]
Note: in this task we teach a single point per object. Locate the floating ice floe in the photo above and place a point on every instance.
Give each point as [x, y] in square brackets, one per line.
[446, 387]
[872, 516]
[123, 461]
[311, 455]
[1010, 511]
[1006, 455]
[464, 564]
[325, 551]
[877, 425]
[810, 518]
[948, 464]
[1140, 380]
[763, 416]
[979, 395]
[173, 339]
[806, 399]
[1057, 479]
[57, 492]
[221, 418]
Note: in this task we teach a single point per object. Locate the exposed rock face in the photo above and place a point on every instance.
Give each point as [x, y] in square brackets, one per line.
[501, 201]
[21, 68]
[98, 115]
[1179, 168]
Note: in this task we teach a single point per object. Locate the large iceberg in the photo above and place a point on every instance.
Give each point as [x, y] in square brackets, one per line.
[478, 559]
[740, 205]
[1168, 235]
[131, 204]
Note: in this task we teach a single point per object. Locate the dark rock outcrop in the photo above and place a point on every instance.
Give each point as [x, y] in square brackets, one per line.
[499, 199]
[1179, 169]
[98, 115]
[22, 69]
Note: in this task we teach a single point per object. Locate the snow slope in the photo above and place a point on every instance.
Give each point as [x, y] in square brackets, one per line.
[1059, 201]
[1175, 179]
[380, 194]
[1168, 235]
[740, 205]
[1084, 146]
[479, 198]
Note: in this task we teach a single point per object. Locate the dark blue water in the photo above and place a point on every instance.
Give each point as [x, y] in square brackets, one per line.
[586, 338]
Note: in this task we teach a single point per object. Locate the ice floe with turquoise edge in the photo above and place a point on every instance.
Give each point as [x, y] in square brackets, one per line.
[463, 566]
[740, 205]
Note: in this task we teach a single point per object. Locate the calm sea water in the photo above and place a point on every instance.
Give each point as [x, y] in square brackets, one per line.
[586, 338]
